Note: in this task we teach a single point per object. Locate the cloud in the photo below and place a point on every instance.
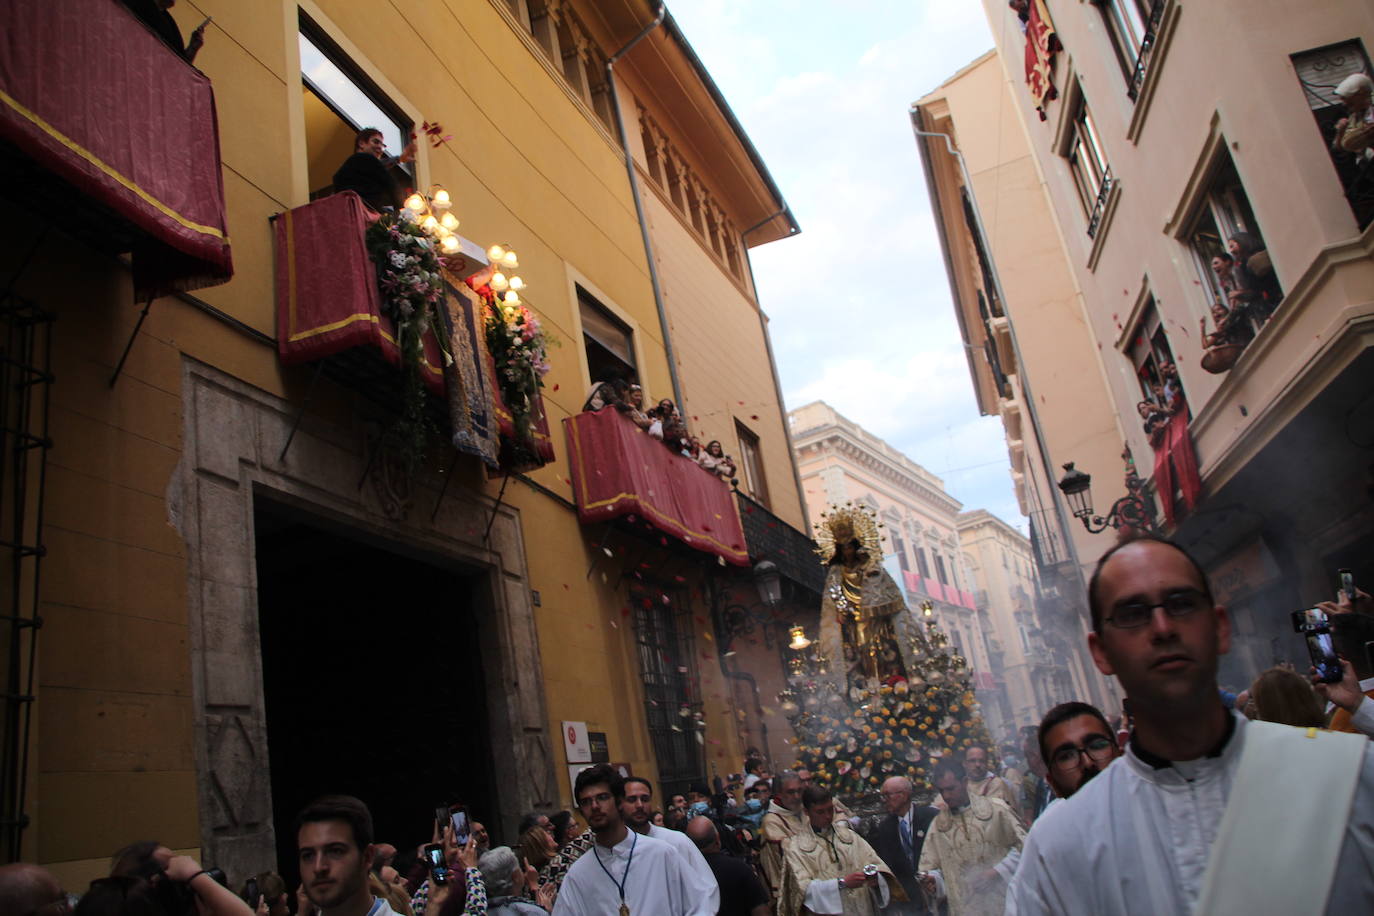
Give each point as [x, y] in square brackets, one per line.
[859, 303]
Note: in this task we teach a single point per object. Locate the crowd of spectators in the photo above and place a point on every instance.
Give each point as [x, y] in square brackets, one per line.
[663, 422]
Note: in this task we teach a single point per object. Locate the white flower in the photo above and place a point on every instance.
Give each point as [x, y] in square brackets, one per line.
[398, 260]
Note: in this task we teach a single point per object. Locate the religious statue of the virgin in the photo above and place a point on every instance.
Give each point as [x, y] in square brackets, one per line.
[866, 629]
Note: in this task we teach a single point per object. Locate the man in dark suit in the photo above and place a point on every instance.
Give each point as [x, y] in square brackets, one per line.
[899, 840]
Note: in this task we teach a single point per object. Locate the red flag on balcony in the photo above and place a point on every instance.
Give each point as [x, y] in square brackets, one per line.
[96, 100]
[1042, 43]
[617, 470]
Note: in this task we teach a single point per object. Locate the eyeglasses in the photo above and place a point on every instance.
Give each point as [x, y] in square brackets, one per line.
[1176, 604]
[1098, 748]
[600, 799]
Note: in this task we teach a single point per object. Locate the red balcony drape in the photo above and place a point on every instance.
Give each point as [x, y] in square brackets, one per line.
[95, 98]
[619, 470]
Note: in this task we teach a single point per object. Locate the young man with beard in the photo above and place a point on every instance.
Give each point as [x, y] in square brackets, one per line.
[1205, 812]
[974, 843]
[982, 781]
[1076, 743]
[624, 873]
[637, 809]
[827, 865]
[335, 852]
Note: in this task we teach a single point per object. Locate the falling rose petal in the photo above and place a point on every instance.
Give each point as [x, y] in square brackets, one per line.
[607, 552]
[679, 578]
[624, 612]
[682, 669]
[566, 587]
[712, 741]
[555, 387]
[700, 740]
[647, 604]
[706, 527]
[706, 655]
[615, 625]
[708, 637]
[675, 728]
[730, 653]
[720, 560]
[699, 619]
[753, 416]
[604, 580]
[666, 599]
[741, 403]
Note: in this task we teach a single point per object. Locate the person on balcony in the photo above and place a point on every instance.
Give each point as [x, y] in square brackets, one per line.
[634, 407]
[1254, 273]
[714, 459]
[607, 391]
[1231, 329]
[368, 171]
[1355, 132]
[154, 15]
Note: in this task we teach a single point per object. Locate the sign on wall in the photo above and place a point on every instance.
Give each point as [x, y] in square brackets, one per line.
[576, 743]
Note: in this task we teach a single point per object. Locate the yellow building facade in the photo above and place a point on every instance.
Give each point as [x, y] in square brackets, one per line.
[246, 604]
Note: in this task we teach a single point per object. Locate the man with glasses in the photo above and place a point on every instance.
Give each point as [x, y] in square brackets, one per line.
[780, 823]
[1154, 833]
[899, 840]
[1077, 743]
[637, 809]
[624, 873]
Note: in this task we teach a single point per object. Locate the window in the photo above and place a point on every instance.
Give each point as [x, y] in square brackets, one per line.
[1150, 353]
[751, 463]
[663, 636]
[1224, 214]
[940, 568]
[900, 547]
[1092, 176]
[1132, 25]
[341, 100]
[921, 562]
[608, 341]
[1319, 72]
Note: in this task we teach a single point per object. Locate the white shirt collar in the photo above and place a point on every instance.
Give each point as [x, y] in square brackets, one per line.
[1367, 684]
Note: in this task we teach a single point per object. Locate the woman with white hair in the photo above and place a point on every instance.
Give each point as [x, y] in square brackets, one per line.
[506, 881]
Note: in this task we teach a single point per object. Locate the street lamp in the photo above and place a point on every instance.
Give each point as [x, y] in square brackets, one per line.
[769, 583]
[1130, 512]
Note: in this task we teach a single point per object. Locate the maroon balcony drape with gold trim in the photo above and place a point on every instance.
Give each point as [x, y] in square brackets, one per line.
[94, 97]
[619, 470]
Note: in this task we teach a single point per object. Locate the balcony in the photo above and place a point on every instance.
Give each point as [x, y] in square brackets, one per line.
[329, 314]
[99, 118]
[618, 471]
[770, 538]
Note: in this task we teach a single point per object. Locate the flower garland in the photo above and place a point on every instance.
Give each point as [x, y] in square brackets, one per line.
[519, 348]
[408, 276]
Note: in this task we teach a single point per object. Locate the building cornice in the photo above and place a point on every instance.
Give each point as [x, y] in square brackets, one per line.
[840, 442]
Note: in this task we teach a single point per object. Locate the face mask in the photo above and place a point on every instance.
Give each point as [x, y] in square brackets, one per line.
[699, 809]
[754, 804]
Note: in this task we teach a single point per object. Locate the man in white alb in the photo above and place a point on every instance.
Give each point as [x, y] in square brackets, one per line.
[1206, 812]
[637, 810]
[624, 874]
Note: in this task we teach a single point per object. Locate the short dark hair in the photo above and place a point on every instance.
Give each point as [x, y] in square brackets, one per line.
[700, 788]
[136, 860]
[753, 763]
[364, 135]
[596, 775]
[815, 795]
[949, 763]
[1095, 602]
[1063, 713]
[344, 808]
[641, 780]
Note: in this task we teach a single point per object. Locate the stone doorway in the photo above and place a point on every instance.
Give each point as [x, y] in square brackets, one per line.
[231, 459]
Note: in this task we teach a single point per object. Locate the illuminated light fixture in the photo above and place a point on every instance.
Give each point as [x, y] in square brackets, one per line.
[429, 223]
[517, 283]
[496, 252]
[512, 297]
[927, 608]
[441, 200]
[509, 259]
[415, 203]
[450, 244]
[499, 281]
[799, 640]
[448, 220]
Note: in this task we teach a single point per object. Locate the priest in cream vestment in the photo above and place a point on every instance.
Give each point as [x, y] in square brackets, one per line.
[823, 866]
[974, 845]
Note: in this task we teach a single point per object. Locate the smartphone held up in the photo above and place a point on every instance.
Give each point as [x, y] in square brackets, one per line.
[1315, 626]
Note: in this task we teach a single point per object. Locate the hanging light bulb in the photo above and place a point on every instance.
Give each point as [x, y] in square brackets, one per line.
[517, 283]
[799, 640]
[495, 253]
[448, 221]
[429, 224]
[509, 259]
[415, 203]
[441, 199]
[450, 244]
[499, 281]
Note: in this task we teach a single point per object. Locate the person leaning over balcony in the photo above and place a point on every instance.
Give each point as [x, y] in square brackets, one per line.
[368, 171]
[1254, 274]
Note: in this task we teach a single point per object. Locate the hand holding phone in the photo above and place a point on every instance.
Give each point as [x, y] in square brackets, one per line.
[438, 865]
[1315, 626]
[1347, 584]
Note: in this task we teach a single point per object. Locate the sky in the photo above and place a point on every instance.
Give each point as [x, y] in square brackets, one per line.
[822, 88]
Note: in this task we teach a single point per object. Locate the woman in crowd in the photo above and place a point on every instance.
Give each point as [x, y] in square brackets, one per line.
[1284, 696]
[537, 846]
[1254, 273]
